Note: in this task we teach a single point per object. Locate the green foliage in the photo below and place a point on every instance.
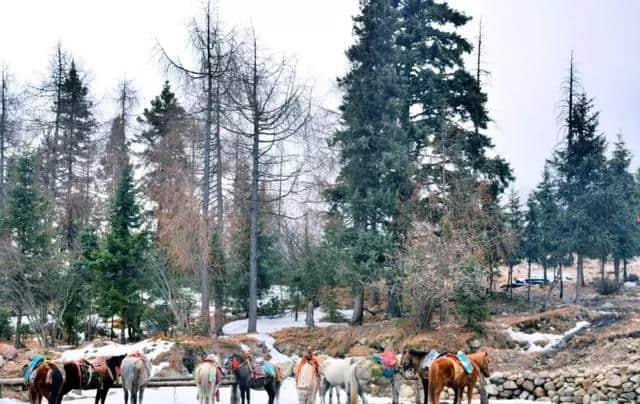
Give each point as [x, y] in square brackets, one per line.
[117, 265]
[6, 330]
[471, 297]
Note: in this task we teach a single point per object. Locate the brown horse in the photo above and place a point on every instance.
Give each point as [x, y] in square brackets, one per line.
[447, 371]
[46, 381]
[99, 374]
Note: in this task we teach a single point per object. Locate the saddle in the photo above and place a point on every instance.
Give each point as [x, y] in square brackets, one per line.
[257, 371]
[85, 372]
[461, 360]
[388, 362]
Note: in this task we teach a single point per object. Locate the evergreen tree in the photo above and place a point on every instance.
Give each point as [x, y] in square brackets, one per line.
[623, 205]
[514, 218]
[26, 220]
[118, 263]
[581, 167]
[375, 152]
[77, 124]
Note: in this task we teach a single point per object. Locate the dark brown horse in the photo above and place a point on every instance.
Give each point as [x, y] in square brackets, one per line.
[99, 374]
[447, 371]
[46, 381]
[412, 359]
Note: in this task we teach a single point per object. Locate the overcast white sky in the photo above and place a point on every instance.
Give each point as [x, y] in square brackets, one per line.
[527, 47]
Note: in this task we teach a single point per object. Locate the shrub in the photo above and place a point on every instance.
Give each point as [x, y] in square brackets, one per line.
[6, 331]
[607, 286]
[471, 297]
[632, 278]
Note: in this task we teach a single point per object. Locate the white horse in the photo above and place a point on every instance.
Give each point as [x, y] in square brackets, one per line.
[208, 377]
[136, 372]
[307, 384]
[366, 372]
[335, 375]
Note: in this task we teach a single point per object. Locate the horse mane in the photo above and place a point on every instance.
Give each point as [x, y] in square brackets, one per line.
[417, 352]
[115, 361]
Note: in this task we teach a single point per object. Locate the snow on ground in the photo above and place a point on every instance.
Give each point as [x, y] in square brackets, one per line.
[187, 395]
[535, 339]
[150, 348]
[267, 325]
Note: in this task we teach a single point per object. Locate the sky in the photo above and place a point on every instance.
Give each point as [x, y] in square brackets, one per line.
[526, 49]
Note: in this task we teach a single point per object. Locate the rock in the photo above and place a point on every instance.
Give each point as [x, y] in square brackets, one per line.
[474, 344]
[407, 392]
[550, 386]
[497, 378]
[505, 394]
[528, 385]
[510, 385]
[538, 381]
[567, 391]
[567, 400]
[635, 379]
[523, 396]
[539, 392]
[614, 380]
[627, 387]
[8, 352]
[579, 393]
[586, 399]
[629, 396]
[491, 389]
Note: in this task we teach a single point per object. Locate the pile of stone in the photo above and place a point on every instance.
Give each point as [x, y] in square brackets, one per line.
[618, 384]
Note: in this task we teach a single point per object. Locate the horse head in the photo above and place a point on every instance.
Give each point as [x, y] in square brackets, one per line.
[482, 361]
[114, 363]
[411, 358]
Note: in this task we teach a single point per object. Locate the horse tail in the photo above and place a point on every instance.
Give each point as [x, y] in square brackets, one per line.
[353, 384]
[55, 380]
[433, 379]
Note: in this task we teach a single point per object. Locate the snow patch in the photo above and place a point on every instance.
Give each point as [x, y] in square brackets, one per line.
[541, 342]
[150, 348]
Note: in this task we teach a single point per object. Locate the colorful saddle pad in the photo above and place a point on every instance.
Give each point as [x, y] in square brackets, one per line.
[433, 355]
[35, 362]
[465, 362]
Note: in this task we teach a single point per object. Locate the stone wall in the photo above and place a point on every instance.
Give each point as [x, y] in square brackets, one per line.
[614, 384]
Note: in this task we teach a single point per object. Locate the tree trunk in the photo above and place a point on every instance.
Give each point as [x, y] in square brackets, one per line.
[602, 263]
[253, 230]
[393, 300]
[3, 132]
[122, 327]
[624, 268]
[510, 281]
[444, 312]
[616, 269]
[358, 308]
[375, 294]
[219, 288]
[579, 284]
[309, 321]
[544, 270]
[296, 306]
[561, 282]
[529, 282]
[18, 342]
[204, 299]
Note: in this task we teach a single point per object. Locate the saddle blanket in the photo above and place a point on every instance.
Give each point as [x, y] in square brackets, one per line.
[388, 362]
[35, 362]
[433, 355]
[465, 362]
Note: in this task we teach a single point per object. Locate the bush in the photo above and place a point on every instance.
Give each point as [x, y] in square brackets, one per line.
[607, 286]
[6, 331]
[471, 297]
[632, 278]
[273, 307]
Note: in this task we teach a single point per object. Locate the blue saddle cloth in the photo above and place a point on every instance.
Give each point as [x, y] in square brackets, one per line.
[465, 361]
[269, 369]
[35, 362]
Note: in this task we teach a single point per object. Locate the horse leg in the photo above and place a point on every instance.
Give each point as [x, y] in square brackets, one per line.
[425, 390]
[134, 395]
[126, 396]
[141, 394]
[469, 392]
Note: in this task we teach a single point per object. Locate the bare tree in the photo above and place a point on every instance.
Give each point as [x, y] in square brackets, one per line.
[270, 107]
[214, 50]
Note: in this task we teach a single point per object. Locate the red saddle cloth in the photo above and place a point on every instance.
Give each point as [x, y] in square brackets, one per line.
[257, 371]
[388, 359]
